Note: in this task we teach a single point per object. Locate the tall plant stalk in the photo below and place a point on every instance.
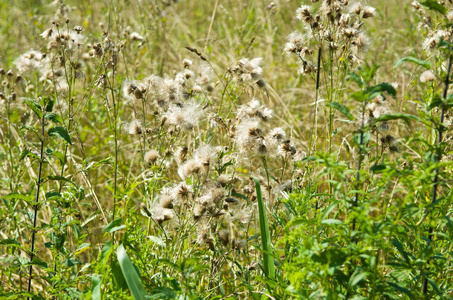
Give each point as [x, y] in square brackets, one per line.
[36, 206]
[438, 156]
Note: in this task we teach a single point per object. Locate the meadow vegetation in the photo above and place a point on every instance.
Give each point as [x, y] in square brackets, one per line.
[226, 149]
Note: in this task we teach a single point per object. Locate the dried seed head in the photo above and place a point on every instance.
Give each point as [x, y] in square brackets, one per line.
[186, 62]
[198, 210]
[181, 155]
[390, 142]
[427, 76]
[368, 12]
[356, 8]
[151, 156]
[161, 214]
[166, 202]
[136, 37]
[135, 127]
[224, 236]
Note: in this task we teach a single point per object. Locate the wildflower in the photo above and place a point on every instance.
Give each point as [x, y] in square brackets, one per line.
[198, 165]
[248, 70]
[368, 12]
[416, 5]
[47, 33]
[356, 8]
[181, 192]
[181, 155]
[78, 29]
[151, 156]
[450, 15]
[161, 214]
[295, 43]
[303, 13]
[243, 215]
[254, 109]
[224, 236]
[136, 37]
[184, 116]
[200, 207]
[286, 150]
[134, 127]
[166, 202]
[247, 135]
[427, 76]
[30, 61]
[186, 62]
[360, 41]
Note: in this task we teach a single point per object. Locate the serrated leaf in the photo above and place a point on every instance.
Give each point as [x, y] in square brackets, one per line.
[130, 274]
[341, 108]
[434, 5]
[424, 63]
[60, 132]
[53, 117]
[34, 107]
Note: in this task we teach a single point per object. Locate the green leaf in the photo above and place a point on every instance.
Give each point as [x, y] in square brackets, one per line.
[396, 116]
[424, 63]
[332, 222]
[18, 196]
[378, 168]
[162, 293]
[60, 132]
[130, 274]
[378, 89]
[49, 103]
[60, 178]
[96, 287]
[10, 242]
[341, 108]
[53, 117]
[434, 5]
[268, 260]
[71, 262]
[356, 278]
[25, 153]
[356, 78]
[114, 225]
[34, 107]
